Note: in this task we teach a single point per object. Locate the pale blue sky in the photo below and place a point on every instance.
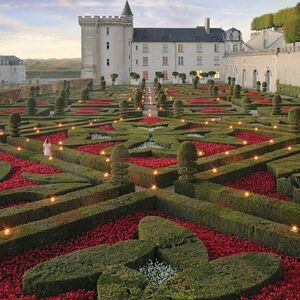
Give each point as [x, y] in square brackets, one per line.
[43, 29]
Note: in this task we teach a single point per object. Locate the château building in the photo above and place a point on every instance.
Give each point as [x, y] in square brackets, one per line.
[112, 45]
[12, 70]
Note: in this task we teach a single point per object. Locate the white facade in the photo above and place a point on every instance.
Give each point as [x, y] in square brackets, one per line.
[112, 45]
[12, 70]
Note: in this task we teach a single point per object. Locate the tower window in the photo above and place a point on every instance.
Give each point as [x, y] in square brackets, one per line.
[107, 30]
[107, 45]
[180, 60]
[107, 62]
[165, 61]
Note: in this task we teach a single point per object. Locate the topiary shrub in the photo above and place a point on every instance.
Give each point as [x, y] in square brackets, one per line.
[258, 84]
[85, 94]
[264, 86]
[294, 118]
[59, 106]
[233, 81]
[178, 108]
[90, 85]
[182, 76]
[103, 84]
[237, 91]
[229, 80]
[114, 77]
[229, 93]
[247, 104]
[276, 105]
[195, 81]
[162, 101]
[187, 156]
[138, 99]
[15, 121]
[123, 108]
[31, 106]
[119, 165]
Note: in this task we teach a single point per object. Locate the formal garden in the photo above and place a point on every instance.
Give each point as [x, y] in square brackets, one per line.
[157, 191]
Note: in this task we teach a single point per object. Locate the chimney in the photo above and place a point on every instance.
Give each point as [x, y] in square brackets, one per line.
[207, 25]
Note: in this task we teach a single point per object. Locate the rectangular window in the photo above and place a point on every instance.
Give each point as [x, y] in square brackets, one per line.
[107, 62]
[145, 48]
[165, 48]
[166, 75]
[216, 48]
[107, 45]
[235, 48]
[216, 60]
[199, 60]
[136, 47]
[145, 61]
[107, 30]
[180, 48]
[165, 61]
[146, 75]
[136, 61]
[199, 48]
[180, 60]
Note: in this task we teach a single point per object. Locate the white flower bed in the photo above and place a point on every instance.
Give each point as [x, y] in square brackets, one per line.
[195, 135]
[149, 144]
[97, 136]
[151, 129]
[157, 272]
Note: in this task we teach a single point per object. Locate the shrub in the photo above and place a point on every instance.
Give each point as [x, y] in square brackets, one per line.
[162, 100]
[247, 104]
[103, 85]
[195, 81]
[138, 99]
[114, 77]
[258, 84]
[15, 121]
[294, 118]
[229, 80]
[119, 165]
[193, 73]
[123, 108]
[31, 106]
[175, 74]
[264, 86]
[178, 108]
[233, 81]
[211, 73]
[59, 106]
[187, 156]
[182, 76]
[237, 91]
[276, 105]
[85, 94]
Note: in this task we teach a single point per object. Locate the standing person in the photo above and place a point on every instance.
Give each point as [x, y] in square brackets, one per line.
[47, 148]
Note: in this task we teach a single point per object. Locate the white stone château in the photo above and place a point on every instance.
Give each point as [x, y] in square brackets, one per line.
[12, 70]
[112, 45]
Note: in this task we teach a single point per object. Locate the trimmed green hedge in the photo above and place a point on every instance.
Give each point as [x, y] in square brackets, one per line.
[5, 170]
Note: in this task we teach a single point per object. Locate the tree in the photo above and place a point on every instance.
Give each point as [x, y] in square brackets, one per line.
[212, 73]
[114, 77]
[233, 81]
[15, 122]
[264, 86]
[136, 76]
[85, 94]
[204, 75]
[59, 106]
[247, 104]
[178, 108]
[119, 165]
[182, 76]
[193, 73]
[187, 157]
[175, 74]
[294, 118]
[258, 84]
[229, 80]
[123, 108]
[276, 105]
[195, 81]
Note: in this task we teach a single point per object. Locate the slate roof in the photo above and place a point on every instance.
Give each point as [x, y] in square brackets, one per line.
[127, 10]
[12, 60]
[178, 35]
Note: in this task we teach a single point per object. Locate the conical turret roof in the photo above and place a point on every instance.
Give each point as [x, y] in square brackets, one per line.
[127, 10]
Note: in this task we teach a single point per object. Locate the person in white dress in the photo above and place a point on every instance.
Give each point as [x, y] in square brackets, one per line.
[47, 148]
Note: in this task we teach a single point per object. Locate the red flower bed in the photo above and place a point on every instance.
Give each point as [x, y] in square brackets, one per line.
[252, 93]
[88, 111]
[197, 126]
[100, 101]
[41, 103]
[287, 108]
[151, 120]
[202, 101]
[125, 228]
[19, 165]
[252, 138]
[153, 162]
[211, 148]
[54, 138]
[263, 100]
[214, 110]
[20, 110]
[172, 92]
[106, 128]
[95, 148]
[261, 182]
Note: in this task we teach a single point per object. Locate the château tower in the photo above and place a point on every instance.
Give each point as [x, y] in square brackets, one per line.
[106, 45]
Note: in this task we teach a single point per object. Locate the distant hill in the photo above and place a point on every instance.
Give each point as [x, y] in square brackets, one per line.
[53, 68]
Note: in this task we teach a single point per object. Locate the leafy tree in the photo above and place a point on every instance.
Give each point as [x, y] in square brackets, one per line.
[31, 106]
[182, 76]
[237, 91]
[175, 74]
[114, 77]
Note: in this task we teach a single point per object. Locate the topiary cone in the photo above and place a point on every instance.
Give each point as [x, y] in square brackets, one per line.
[178, 108]
[294, 118]
[31, 106]
[59, 106]
[119, 165]
[276, 105]
[247, 104]
[15, 121]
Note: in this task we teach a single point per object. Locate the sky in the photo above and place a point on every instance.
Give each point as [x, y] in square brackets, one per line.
[49, 29]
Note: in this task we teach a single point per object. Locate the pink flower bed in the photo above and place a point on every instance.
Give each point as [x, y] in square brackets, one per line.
[262, 183]
[95, 148]
[105, 128]
[197, 126]
[54, 138]
[214, 110]
[151, 120]
[210, 148]
[202, 101]
[172, 92]
[252, 138]
[153, 162]
[100, 101]
[125, 228]
[88, 111]
[20, 110]
[20, 166]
